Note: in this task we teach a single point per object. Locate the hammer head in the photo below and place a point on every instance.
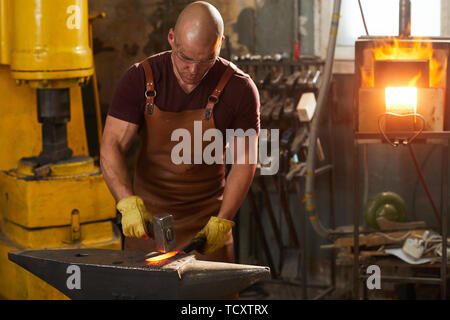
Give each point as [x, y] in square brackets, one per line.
[163, 232]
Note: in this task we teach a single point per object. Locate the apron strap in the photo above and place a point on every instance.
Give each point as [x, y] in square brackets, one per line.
[150, 92]
[214, 96]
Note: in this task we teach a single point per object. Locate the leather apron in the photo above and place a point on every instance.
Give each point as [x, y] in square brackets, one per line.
[192, 193]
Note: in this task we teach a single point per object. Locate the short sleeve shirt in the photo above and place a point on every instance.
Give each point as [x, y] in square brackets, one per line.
[238, 106]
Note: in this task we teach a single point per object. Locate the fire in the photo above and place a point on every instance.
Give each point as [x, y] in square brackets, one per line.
[418, 49]
[413, 81]
[401, 99]
[161, 257]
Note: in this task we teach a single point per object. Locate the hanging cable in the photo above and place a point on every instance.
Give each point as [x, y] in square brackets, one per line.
[425, 186]
[363, 19]
[392, 114]
[416, 183]
[407, 142]
[394, 239]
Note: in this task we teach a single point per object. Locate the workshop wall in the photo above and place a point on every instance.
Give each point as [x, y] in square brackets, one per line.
[135, 29]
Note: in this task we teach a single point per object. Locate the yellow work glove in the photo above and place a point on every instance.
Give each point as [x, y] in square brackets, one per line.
[134, 217]
[216, 234]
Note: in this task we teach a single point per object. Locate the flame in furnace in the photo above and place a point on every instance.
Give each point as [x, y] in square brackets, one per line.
[413, 81]
[392, 49]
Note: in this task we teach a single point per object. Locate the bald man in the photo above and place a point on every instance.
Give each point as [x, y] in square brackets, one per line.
[181, 89]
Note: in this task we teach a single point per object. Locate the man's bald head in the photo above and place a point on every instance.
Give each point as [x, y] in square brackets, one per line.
[195, 42]
[200, 23]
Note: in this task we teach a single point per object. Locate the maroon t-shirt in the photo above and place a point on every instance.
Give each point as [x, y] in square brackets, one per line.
[238, 106]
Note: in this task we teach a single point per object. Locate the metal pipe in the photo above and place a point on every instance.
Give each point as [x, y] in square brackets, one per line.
[356, 232]
[296, 22]
[331, 186]
[366, 174]
[310, 162]
[404, 20]
[303, 231]
[406, 279]
[54, 114]
[444, 209]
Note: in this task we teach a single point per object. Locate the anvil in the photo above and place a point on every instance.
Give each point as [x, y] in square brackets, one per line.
[116, 274]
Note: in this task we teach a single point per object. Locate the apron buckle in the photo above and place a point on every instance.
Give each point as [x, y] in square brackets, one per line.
[149, 94]
[207, 114]
[149, 108]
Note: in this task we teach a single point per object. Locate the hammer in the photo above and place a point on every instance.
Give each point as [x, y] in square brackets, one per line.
[160, 229]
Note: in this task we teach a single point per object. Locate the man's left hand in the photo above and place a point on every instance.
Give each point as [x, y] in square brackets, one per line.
[216, 234]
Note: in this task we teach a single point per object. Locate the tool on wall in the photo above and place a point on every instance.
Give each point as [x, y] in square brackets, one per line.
[281, 86]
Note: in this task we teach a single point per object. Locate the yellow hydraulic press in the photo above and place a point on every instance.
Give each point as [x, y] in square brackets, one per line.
[52, 195]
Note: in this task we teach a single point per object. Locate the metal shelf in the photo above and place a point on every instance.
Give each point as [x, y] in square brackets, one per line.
[302, 62]
[427, 138]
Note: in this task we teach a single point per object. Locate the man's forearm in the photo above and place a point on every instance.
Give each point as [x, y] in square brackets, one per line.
[115, 172]
[238, 182]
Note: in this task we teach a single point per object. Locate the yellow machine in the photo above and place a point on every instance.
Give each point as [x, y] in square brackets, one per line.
[52, 195]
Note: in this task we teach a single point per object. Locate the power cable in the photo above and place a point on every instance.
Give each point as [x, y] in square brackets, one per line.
[363, 19]
[425, 160]
[425, 186]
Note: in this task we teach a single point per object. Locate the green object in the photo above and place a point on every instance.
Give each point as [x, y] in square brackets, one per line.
[385, 204]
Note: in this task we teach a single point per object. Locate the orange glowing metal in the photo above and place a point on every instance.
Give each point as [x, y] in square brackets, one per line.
[161, 257]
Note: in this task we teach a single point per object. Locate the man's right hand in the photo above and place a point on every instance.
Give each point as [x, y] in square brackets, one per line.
[134, 217]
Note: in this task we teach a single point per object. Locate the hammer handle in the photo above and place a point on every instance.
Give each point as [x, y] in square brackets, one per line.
[119, 224]
[196, 244]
